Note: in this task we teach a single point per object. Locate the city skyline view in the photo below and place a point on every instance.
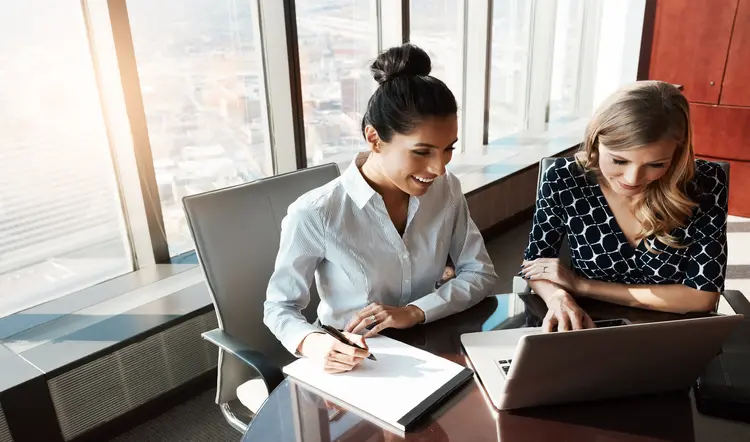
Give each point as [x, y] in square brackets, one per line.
[202, 80]
[61, 219]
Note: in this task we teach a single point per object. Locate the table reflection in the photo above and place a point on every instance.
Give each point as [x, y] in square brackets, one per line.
[293, 413]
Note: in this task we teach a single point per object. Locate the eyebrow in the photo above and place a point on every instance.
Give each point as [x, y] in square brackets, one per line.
[625, 159]
[431, 146]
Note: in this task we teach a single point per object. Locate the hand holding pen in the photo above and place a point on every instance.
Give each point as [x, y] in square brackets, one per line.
[343, 339]
[335, 355]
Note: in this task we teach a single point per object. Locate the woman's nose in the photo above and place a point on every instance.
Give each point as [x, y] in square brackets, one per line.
[437, 166]
[632, 176]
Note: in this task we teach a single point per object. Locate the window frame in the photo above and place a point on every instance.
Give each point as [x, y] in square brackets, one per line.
[125, 117]
[133, 156]
[280, 54]
[280, 51]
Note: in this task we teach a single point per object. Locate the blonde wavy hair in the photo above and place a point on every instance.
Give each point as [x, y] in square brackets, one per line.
[636, 115]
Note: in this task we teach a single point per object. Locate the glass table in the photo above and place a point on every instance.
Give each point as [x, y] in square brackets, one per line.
[294, 414]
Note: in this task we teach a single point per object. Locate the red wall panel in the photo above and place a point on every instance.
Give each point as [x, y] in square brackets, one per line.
[736, 88]
[721, 132]
[690, 45]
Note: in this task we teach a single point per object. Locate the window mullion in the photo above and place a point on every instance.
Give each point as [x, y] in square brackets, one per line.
[278, 33]
[542, 47]
[132, 146]
[477, 51]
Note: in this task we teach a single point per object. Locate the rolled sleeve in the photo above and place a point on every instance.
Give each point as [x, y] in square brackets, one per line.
[475, 274]
[301, 249]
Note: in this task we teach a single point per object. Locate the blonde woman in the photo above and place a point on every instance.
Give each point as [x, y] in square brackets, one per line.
[645, 220]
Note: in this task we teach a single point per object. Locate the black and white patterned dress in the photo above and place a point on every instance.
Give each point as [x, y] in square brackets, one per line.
[571, 202]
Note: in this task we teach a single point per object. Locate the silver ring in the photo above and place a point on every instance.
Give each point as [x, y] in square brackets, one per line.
[372, 319]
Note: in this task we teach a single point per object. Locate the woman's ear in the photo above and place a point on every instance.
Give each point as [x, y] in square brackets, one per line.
[373, 140]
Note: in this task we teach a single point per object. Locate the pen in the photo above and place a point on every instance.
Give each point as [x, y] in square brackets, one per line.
[342, 338]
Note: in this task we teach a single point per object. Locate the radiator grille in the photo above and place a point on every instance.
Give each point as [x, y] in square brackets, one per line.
[108, 387]
[4, 431]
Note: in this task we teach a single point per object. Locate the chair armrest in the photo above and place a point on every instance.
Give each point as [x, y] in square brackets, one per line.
[271, 374]
[737, 301]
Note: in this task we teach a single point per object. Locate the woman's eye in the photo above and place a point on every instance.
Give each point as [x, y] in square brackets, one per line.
[657, 165]
[421, 153]
[619, 162]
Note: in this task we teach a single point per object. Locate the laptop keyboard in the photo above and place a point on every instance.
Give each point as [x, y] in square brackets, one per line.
[609, 323]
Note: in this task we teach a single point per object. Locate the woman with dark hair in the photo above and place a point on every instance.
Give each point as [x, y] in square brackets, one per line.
[377, 238]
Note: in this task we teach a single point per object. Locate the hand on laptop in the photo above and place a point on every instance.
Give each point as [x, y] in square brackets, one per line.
[563, 313]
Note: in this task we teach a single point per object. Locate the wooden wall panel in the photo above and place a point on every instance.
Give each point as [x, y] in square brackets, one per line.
[736, 87]
[721, 132]
[690, 45]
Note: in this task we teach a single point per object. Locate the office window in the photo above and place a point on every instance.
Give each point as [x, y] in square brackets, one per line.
[201, 77]
[337, 44]
[437, 27]
[61, 221]
[566, 60]
[509, 66]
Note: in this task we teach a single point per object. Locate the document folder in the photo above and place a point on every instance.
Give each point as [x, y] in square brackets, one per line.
[403, 386]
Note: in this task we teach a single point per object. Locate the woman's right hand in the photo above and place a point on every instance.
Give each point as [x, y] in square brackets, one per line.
[563, 313]
[335, 356]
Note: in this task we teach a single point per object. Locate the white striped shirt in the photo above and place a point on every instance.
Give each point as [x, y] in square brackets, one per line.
[342, 235]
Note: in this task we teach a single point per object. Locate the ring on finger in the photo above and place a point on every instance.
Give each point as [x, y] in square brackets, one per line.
[373, 319]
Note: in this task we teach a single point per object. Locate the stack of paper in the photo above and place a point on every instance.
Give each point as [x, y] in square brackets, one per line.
[404, 384]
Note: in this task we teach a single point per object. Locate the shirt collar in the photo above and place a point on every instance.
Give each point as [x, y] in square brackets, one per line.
[354, 183]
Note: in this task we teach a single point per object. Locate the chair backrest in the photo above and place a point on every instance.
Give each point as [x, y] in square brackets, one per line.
[724, 165]
[548, 161]
[236, 232]
[545, 164]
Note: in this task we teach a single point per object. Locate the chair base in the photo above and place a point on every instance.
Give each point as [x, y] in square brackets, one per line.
[237, 415]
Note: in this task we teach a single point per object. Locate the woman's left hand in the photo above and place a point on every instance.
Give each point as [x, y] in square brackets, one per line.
[552, 270]
[384, 316]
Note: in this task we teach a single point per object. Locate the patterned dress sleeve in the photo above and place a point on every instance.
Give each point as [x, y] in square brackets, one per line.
[707, 252]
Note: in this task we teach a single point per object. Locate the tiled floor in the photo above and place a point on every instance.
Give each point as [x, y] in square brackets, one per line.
[738, 240]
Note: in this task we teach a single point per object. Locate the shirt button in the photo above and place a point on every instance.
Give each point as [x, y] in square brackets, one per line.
[407, 281]
[405, 256]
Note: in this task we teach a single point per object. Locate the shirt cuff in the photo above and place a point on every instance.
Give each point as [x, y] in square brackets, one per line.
[295, 334]
[432, 305]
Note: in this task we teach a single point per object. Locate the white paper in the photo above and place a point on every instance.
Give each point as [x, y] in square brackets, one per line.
[401, 378]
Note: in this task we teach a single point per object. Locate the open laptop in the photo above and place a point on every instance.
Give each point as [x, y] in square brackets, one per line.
[526, 367]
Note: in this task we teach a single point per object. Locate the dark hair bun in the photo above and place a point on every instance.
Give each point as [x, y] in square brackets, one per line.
[406, 60]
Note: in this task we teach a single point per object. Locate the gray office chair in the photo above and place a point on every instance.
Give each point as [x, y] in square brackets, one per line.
[519, 284]
[236, 232]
